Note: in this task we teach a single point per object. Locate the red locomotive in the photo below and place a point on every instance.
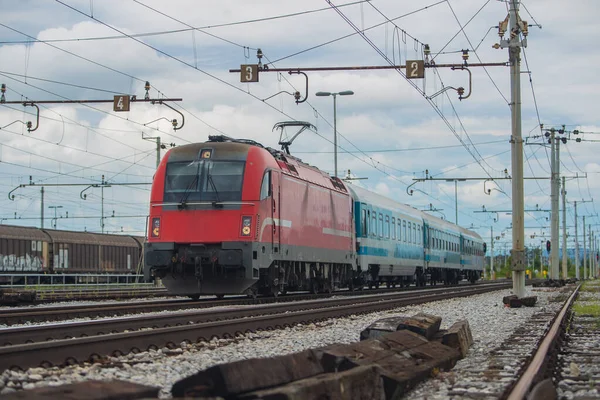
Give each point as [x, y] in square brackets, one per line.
[231, 216]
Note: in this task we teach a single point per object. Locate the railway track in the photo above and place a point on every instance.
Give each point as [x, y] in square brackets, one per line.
[47, 296]
[191, 327]
[24, 297]
[514, 368]
[60, 313]
[577, 373]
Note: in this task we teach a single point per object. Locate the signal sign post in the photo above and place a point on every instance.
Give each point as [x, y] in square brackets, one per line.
[121, 103]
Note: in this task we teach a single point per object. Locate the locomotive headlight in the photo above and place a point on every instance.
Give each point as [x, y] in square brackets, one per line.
[246, 226]
[155, 227]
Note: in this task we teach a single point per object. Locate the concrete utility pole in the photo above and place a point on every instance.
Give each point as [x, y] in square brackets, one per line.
[513, 43]
[159, 146]
[554, 161]
[591, 267]
[576, 246]
[492, 272]
[596, 258]
[564, 229]
[42, 210]
[584, 255]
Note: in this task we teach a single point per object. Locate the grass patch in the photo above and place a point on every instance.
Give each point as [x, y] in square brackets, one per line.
[587, 309]
[590, 288]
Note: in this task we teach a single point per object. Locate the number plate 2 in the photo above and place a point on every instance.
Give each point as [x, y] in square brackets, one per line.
[415, 69]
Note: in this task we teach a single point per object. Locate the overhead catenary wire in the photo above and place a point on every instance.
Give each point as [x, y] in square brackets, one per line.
[356, 33]
[167, 32]
[95, 109]
[403, 150]
[87, 60]
[431, 103]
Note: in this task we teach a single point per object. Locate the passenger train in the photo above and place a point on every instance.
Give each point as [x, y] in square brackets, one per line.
[232, 216]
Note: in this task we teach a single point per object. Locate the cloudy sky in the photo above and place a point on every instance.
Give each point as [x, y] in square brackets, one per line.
[388, 131]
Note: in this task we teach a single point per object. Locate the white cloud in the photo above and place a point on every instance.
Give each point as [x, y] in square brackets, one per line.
[385, 113]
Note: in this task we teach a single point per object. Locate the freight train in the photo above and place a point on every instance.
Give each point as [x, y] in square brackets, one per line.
[28, 250]
[232, 216]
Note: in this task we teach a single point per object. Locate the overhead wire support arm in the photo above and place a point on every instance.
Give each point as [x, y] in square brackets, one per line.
[133, 99]
[460, 90]
[121, 103]
[415, 70]
[297, 94]
[11, 196]
[173, 121]
[371, 67]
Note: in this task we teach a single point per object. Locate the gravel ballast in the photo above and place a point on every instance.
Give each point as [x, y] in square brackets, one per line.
[491, 323]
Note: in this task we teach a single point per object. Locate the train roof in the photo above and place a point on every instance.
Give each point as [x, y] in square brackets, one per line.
[472, 234]
[440, 223]
[91, 238]
[364, 195]
[238, 149]
[22, 233]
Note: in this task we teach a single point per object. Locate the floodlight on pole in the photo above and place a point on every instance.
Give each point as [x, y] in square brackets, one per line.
[325, 94]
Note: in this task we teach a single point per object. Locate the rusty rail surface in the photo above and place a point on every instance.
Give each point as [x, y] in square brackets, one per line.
[533, 371]
[68, 351]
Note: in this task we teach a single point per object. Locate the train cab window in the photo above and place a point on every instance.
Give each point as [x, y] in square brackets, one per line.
[393, 228]
[380, 225]
[363, 222]
[204, 180]
[419, 235]
[410, 237]
[387, 226]
[265, 187]
[404, 229]
[414, 233]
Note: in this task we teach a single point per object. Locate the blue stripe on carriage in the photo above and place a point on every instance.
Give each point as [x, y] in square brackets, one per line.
[372, 251]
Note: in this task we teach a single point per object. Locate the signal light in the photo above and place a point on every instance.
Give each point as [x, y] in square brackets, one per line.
[548, 245]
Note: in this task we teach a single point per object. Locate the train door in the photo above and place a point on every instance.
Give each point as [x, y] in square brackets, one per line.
[276, 210]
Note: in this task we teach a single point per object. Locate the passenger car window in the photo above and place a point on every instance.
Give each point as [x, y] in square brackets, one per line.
[374, 224]
[387, 226]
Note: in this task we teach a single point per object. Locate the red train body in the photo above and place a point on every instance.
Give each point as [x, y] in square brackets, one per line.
[230, 216]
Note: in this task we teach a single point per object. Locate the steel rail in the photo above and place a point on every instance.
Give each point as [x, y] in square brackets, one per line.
[61, 313]
[70, 351]
[520, 390]
[33, 334]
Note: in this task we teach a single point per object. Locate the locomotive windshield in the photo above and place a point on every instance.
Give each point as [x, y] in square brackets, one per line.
[204, 180]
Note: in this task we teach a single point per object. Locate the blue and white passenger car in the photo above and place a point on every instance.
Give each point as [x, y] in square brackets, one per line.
[398, 244]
